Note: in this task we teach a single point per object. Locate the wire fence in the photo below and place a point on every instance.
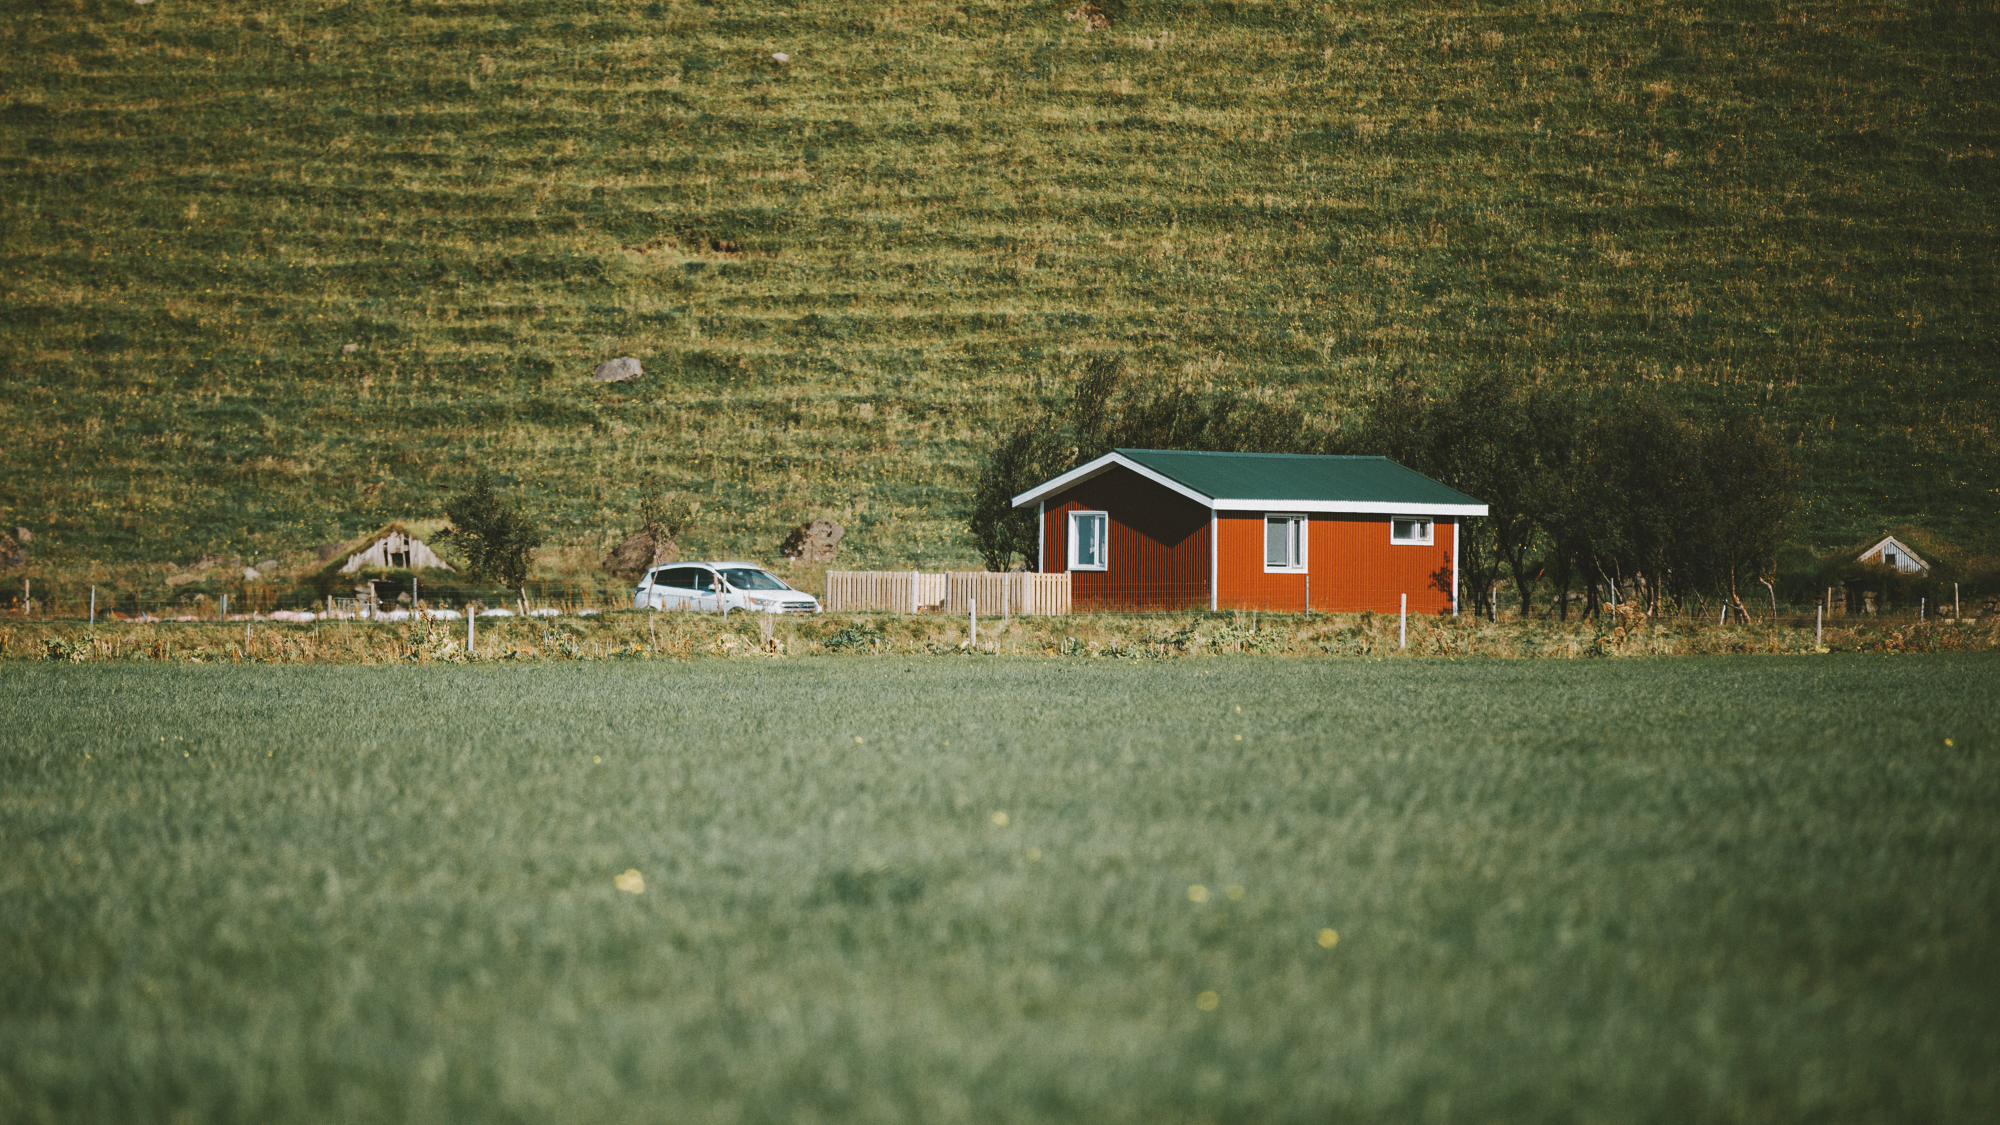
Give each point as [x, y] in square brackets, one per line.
[280, 600]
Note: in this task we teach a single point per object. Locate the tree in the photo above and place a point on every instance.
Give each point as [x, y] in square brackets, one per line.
[1474, 436]
[1102, 407]
[1751, 487]
[491, 535]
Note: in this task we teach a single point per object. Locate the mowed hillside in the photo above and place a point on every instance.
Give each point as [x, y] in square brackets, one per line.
[842, 269]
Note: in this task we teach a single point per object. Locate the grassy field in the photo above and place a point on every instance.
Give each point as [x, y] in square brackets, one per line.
[1007, 890]
[841, 268]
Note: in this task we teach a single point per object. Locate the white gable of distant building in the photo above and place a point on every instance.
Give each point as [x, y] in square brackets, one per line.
[395, 549]
[1892, 552]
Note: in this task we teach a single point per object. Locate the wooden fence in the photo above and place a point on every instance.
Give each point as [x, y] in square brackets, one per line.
[910, 591]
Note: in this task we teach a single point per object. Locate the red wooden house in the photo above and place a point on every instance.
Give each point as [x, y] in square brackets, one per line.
[1154, 529]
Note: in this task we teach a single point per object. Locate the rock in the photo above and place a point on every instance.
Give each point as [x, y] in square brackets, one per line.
[182, 579]
[781, 57]
[268, 565]
[24, 535]
[641, 551]
[13, 548]
[814, 542]
[250, 574]
[624, 369]
[349, 349]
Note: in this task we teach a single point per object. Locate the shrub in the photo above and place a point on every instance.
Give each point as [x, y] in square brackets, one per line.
[490, 534]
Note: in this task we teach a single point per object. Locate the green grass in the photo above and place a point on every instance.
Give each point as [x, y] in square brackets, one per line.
[839, 271]
[1662, 891]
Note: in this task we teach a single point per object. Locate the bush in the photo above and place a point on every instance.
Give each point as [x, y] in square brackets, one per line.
[490, 534]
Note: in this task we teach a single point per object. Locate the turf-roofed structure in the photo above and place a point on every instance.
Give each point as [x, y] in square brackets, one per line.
[1153, 529]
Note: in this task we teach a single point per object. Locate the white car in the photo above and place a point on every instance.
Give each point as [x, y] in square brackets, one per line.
[720, 586]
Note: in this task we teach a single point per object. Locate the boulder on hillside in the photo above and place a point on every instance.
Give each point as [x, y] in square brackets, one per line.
[624, 369]
[814, 542]
[641, 551]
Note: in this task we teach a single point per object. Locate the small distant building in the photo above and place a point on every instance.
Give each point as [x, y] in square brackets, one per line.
[1892, 551]
[393, 548]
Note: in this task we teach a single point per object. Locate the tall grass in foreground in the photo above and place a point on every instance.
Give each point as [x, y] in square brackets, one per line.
[1008, 891]
[642, 635]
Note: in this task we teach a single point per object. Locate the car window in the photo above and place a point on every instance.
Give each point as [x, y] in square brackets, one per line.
[750, 578]
[686, 578]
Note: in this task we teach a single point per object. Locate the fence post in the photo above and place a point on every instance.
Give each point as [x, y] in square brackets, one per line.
[1954, 601]
[1403, 623]
[1819, 625]
[972, 619]
[93, 605]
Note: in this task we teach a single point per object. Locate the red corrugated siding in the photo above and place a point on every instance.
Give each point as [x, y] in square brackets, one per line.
[1352, 563]
[1158, 551]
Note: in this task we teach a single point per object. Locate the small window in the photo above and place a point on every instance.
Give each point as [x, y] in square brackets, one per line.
[685, 578]
[1409, 531]
[1284, 543]
[1888, 558]
[1087, 540]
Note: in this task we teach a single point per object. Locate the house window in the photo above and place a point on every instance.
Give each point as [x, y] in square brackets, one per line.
[1888, 558]
[1284, 543]
[1409, 531]
[1087, 532]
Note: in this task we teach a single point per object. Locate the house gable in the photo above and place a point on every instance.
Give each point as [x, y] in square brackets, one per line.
[1157, 548]
[1891, 551]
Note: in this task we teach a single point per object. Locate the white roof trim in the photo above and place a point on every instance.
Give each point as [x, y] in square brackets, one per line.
[1084, 472]
[1229, 504]
[1356, 507]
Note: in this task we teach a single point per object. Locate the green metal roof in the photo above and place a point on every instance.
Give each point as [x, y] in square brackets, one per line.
[1296, 477]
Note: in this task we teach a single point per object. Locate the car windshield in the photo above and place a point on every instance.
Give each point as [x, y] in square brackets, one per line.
[747, 578]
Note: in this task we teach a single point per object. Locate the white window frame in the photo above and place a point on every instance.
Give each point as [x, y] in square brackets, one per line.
[1103, 540]
[1429, 536]
[1304, 536]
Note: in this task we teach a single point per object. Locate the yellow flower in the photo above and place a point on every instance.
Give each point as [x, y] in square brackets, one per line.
[999, 820]
[1207, 1001]
[631, 882]
[1197, 893]
[1329, 938]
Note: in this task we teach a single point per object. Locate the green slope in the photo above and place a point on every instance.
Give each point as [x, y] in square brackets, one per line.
[839, 269]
